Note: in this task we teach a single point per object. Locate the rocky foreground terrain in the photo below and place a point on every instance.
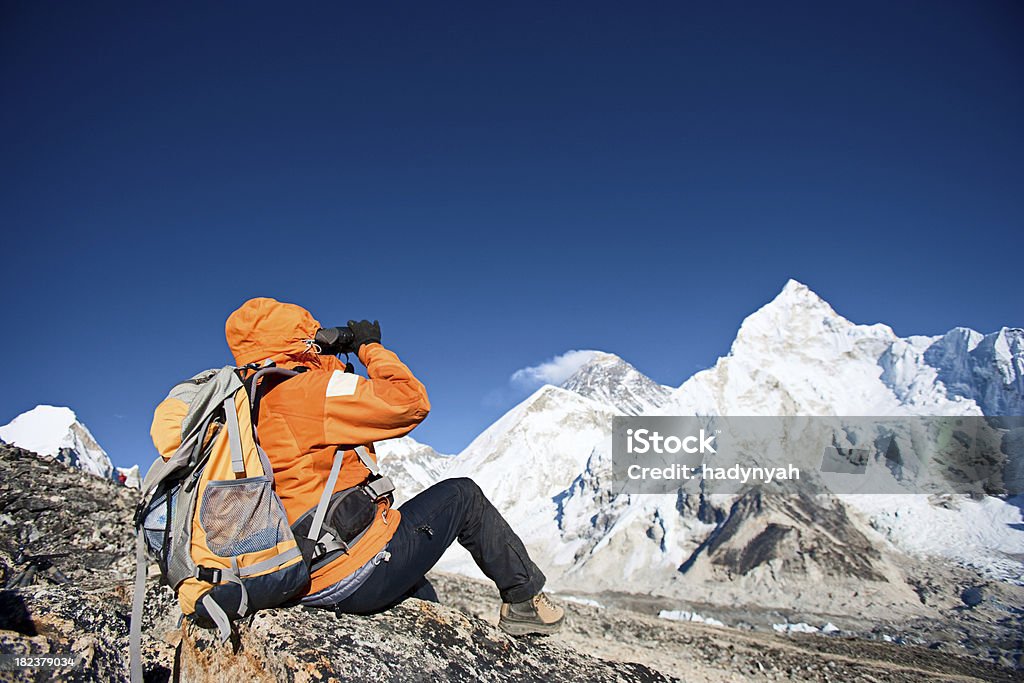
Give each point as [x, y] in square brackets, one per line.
[66, 566]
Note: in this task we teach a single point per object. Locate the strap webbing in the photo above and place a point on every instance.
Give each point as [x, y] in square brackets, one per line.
[380, 487]
[234, 435]
[325, 497]
[367, 460]
[219, 616]
[235, 577]
[275, 561]
[135, 633]
[271, 370]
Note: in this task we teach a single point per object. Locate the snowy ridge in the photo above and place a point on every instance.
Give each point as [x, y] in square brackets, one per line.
[987, 369]
[412, 466]
[56, 432]
[551, 434]
[525, 459]
[797, 356]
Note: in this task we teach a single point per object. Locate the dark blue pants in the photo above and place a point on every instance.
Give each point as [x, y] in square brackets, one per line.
[449, 510]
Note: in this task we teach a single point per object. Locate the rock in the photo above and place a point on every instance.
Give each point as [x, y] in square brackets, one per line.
[972, 596]
[74, 591]
[416, 641]
[68, 541]
[62, 517]
[65, 523]
[62, 621]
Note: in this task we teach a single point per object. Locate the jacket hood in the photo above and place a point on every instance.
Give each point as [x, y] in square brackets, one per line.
[265, 328]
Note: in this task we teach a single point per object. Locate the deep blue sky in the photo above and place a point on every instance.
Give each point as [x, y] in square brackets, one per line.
[496, 182]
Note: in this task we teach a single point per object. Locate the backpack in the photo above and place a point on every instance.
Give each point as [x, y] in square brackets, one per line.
[212, 521]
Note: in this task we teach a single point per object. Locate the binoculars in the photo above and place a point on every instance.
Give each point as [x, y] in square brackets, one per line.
[334, 340]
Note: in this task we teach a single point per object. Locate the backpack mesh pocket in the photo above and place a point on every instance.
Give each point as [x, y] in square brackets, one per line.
[242, 516]
[157, 524]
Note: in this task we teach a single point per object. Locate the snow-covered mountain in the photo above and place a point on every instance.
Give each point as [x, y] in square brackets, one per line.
[987, 369]
[55, 431]
[525, 458]
[606, 378]
[797, 356]
[412, 466]
[546, 465]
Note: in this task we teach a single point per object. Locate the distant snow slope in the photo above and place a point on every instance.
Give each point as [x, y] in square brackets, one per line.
[411, 465]
[524, 460]
[56, 431]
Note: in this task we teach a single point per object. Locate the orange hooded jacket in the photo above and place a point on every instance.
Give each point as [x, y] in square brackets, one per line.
[302, 421]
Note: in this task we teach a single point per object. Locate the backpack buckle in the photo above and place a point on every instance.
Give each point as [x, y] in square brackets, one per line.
[208, 574]
[379, 488]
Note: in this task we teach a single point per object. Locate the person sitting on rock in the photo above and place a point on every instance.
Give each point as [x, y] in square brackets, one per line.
[303, 420]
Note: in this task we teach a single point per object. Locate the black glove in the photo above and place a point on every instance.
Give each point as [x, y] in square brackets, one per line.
[364, 332]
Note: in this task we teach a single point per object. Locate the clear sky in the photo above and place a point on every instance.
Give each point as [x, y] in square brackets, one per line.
[498, 183]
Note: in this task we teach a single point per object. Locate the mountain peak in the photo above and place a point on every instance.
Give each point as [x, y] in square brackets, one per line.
[598, 359]
[56, 432]
[795, 286]
[608, 379]
[797, 294]
[40, 430]
[796, 302]
[605, 357]
[797, 318]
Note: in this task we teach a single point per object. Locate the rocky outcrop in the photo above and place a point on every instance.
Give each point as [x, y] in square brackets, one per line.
[62, 522]
[61, 621]
[65, 560]
[66, 564]
[417, 641]
[795, 535]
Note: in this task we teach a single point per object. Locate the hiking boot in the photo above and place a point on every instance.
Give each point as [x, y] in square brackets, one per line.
[539, 614]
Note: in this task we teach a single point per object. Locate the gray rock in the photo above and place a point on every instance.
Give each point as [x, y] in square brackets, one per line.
[416, 641]
[972, 596]
[74, 594]
[68, 523]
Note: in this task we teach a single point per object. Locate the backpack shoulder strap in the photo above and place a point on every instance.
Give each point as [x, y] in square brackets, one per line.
[252, 386]
[135, 631]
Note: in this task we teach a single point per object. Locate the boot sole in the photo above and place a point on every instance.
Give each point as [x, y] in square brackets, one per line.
[526, 628]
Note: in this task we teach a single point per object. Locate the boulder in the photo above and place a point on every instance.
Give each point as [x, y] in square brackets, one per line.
[416, 641]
